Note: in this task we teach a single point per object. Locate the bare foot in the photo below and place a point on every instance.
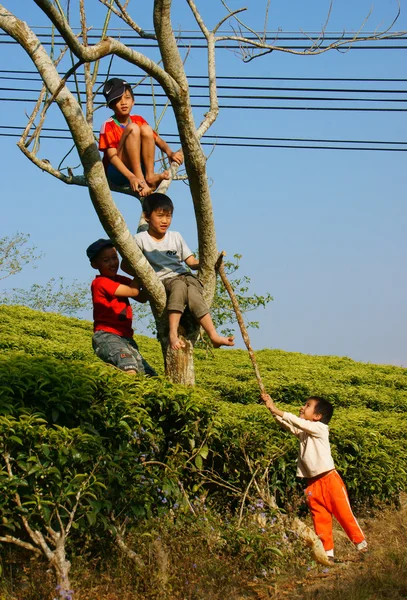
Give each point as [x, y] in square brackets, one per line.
[218, 340]
[144, 190]
[156, 178]
[175, 342]
[139, 185]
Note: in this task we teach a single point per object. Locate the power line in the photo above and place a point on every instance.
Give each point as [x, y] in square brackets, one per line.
[245, 141]
[243, 107]
[219, 87]
[233, 46]
[244, 97]
[303, 147]
[241, 78]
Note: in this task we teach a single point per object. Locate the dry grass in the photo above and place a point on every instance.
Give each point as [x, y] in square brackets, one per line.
[380, 574]
[180, 569]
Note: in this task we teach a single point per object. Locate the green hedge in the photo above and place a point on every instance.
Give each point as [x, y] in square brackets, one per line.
[67, 418]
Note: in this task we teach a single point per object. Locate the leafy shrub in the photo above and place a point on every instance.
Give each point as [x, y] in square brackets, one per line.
[131, 447]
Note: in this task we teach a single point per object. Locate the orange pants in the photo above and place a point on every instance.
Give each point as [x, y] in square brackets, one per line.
[327, 496]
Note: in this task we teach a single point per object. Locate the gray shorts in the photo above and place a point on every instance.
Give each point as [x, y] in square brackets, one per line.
[185, 290]
[122, 352]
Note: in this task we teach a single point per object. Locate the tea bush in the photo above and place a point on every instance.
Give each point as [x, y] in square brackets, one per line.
[133, 447]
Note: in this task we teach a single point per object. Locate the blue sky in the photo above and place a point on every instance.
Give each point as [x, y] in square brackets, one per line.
[322, 230]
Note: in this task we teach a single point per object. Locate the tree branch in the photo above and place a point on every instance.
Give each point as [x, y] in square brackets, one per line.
[82, 133]
[105, 47]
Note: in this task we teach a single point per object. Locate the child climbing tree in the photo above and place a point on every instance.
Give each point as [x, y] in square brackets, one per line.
[169, 72]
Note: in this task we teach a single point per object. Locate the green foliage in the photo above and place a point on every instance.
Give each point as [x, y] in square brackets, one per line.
[15, 254]
[222, 309]
[53, 296]
[132, 446]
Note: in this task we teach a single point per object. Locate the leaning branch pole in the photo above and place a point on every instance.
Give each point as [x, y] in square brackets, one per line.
[306, 533]
[221, 270]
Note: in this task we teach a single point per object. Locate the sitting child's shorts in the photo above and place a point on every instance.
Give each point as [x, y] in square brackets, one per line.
[115, 176]
[122, 352]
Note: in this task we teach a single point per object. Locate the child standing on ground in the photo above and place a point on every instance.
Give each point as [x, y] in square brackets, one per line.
[166, 251]
[128, 143]
[325, 492]
[113, 334]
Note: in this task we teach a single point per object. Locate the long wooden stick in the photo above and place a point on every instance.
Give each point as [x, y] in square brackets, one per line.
[221, 269]
[305, 532]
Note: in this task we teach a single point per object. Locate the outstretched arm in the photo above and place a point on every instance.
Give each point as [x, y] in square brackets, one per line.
[278, 414]
[271, 406]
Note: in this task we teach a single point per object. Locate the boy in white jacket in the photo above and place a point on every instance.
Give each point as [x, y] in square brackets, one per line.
[325, 492]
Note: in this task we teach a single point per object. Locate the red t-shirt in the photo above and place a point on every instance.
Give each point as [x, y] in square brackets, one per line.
[111, 313]
[111, 133]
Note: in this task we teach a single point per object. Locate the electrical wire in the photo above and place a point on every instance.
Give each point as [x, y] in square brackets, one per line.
[247, 142]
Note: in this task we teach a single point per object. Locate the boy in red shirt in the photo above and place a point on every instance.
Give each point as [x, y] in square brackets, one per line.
[128, 143]
[113, 334]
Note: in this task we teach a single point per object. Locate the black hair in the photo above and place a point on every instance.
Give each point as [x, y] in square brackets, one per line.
[127, 88]
[155, 201]
[324, 408]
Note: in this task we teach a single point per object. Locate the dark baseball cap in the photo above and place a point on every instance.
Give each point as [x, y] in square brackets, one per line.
[114, 89]
[93, 250]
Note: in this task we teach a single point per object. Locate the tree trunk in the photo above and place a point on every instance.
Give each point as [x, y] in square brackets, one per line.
[179, 364]
[62, 567]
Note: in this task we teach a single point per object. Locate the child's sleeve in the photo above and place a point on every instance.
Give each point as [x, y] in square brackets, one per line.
[314, 428]
[109, 136]
[285, 425]
[107, 287]
[184, 250]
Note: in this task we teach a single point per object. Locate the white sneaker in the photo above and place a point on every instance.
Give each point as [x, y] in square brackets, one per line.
[362, 546]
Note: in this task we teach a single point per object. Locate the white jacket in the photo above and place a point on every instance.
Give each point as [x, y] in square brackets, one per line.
[314, 456]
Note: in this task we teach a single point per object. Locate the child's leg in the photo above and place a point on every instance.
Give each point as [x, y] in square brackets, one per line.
[342, 511]
[120, 352]
[321, 516]
[148, 154]
[176, 289]
[200, 311]
[216, 339]
[129, 152]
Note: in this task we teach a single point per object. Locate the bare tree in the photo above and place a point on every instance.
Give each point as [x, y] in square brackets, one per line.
[170, 74]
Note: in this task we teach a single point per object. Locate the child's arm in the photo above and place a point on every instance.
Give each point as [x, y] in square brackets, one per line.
[176, 157]
[114, 159]
[192, 262]
[131, 291]
[271, 406]
[278, 414]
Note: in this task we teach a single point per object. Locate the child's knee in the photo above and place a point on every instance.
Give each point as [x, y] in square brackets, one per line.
[146, 131]
[133, 129]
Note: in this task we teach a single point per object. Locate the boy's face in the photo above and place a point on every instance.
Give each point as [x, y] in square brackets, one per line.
[308, 413]
[122, 107]
[159, 221]
[107, 262]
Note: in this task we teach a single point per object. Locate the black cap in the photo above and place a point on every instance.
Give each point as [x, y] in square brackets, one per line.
[114, 89]
[93, 250]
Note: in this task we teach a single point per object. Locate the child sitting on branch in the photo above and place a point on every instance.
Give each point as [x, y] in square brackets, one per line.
[166, 251]
[128, 143]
